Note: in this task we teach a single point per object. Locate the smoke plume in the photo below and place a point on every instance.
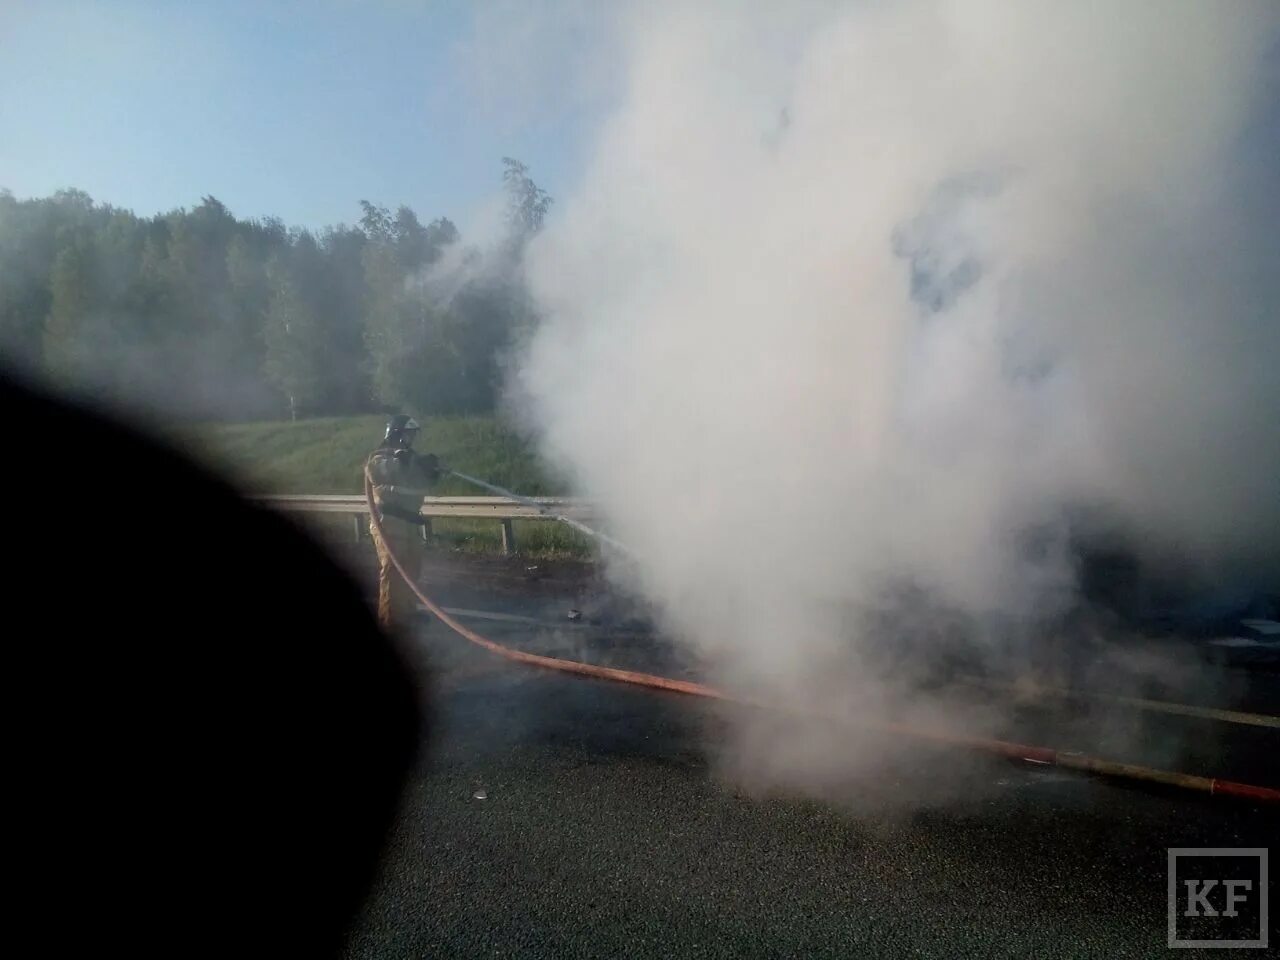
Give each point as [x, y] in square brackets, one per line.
[858, 302]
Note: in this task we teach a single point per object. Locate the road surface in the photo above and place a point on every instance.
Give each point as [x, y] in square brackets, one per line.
[555, 816]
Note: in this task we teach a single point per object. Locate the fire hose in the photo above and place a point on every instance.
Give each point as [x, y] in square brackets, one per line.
[1014, 751]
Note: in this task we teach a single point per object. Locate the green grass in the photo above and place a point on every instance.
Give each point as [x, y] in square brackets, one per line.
[328, 455]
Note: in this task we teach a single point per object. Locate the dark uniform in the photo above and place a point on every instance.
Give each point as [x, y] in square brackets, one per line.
[400, 478]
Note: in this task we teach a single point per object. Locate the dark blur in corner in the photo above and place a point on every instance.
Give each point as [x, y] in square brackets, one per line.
[210, 732]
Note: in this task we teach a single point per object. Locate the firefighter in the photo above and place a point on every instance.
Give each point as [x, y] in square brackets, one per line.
[400, 477]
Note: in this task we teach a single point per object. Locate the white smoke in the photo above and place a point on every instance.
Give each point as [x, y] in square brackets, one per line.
[874, 293]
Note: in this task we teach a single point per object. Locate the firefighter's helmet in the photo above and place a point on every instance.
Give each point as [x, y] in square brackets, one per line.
[401, 430]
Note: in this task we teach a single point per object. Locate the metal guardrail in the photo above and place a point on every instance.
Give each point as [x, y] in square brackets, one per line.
[483, 508]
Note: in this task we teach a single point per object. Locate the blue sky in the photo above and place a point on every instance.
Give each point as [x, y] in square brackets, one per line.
[297, 110]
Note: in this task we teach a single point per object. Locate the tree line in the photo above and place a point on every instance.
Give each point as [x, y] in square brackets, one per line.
[204, 314]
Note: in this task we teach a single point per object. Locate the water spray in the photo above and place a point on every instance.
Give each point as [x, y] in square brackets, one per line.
[544, 510]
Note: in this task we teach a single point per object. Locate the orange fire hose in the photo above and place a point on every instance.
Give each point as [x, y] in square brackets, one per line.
[1013, 751]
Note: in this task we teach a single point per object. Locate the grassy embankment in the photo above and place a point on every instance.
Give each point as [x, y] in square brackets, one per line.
[327, 456]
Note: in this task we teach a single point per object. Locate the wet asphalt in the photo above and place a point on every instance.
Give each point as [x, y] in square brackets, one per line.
[552, 816]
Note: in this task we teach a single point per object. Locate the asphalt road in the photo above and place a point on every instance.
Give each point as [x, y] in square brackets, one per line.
[554, 816]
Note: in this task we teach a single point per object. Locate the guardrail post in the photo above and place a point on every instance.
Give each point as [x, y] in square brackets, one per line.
[426, 529]
[508, 538]
[356, 525]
